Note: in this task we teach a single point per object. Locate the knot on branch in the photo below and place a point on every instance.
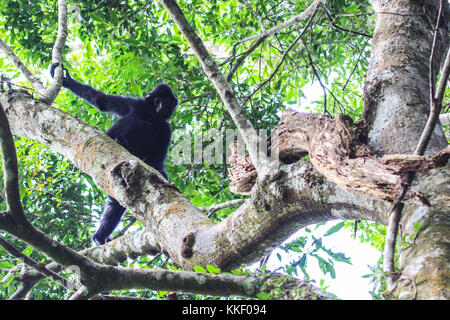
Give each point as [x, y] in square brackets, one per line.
[187, 245]
[126, 177]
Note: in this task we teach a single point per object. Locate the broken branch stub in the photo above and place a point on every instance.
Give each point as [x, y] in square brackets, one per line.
[337, 149]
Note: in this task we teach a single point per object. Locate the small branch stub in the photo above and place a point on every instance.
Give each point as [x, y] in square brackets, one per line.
[188, 243]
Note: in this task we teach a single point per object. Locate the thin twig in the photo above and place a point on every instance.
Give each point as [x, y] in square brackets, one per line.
[274, 71]
[436, 106]
[330, 18]
[294, 20]
[36, 265]
[356, 65]
[324, 88]
[37, 84]
[244, 56]
[221, 206]
[285, 54]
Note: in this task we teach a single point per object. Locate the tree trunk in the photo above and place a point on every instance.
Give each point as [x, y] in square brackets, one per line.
[396, 91]
[396, 100]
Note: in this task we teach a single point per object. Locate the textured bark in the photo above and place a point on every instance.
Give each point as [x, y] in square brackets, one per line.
[397, 87]
[424, 249]
[336, 149]
[397, 95]
[445, 119]
[279, 287]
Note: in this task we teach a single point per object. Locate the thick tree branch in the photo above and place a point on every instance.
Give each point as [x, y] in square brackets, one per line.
[10, 171]
[336, 150]
[435, 109]
[167, 215]
[211, 284]
[104, 278]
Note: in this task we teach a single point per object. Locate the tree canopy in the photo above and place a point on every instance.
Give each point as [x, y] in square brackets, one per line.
[317, 64]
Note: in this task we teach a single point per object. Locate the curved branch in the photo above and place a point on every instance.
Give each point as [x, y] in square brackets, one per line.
[221, 206]
[252, 140]
[47, 94]
[52, 92]
[37, 84]
[435, 107]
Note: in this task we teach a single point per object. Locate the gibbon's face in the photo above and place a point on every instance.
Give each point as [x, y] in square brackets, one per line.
[162, 100]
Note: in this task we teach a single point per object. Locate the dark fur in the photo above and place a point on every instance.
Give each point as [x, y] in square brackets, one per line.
[142, 128]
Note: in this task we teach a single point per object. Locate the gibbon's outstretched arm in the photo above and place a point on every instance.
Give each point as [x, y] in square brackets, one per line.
[117, 105]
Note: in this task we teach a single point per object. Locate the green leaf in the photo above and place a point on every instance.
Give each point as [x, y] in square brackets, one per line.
[27, 251]
[339, 256]
[264, 296]
[199, 269]
[212, 269]
[334, 228]
[6, 265]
